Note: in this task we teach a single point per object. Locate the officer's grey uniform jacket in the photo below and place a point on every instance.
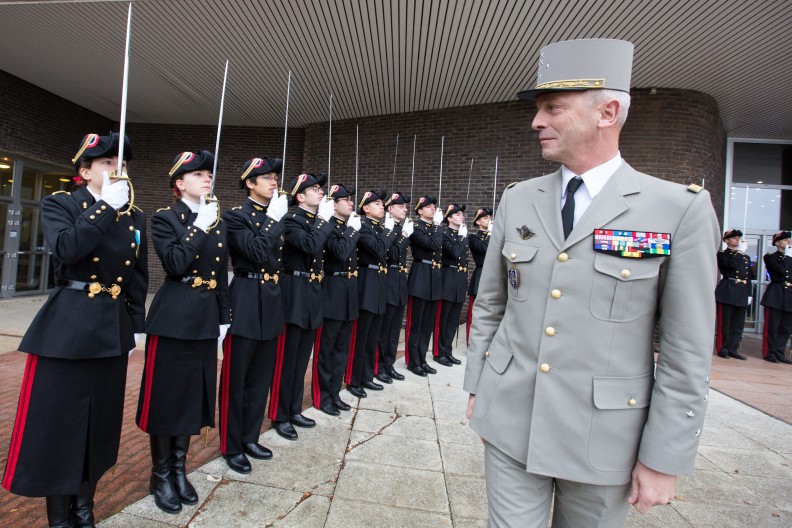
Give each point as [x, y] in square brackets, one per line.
[735, 286]
[562, 364]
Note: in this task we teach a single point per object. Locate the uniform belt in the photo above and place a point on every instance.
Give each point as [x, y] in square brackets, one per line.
[196, 282]
[93, 288]
[403, 269]
[380, 269]
[311, 276]
[739, 281]
[458, 268]
[266, 277]
[347, 274]
[782, 283]
[431, 263]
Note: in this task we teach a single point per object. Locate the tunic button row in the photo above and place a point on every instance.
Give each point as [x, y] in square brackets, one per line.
[555, 294]
[544, 367]
[550, 331]
[563, 257]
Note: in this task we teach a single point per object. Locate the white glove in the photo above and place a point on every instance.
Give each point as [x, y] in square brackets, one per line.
[116, 195]
[278, 207]
[437, 219]
[137, 341]
[326, 209]
[223, 332]
[389, 224]
[408, 228]
[788, 251]
[463, 230]
[354, 221]
[490, 226]
[743, 247]
[207, 215]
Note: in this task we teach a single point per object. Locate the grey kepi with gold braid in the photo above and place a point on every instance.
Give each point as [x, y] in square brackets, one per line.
[586, 64]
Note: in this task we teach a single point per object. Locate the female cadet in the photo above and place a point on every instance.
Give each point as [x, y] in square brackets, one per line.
[777, 300]
[79, 342]
[188, 314]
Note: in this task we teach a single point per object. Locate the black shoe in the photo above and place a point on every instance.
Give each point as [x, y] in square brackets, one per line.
[257, 451]
[785, 360]
[342, 405]
[285, 429]
[384, 378]
[301, 421]
[428, 369]
[737, 355]
[370, 385]
[454, 360]
[161, 482]
[186, 492]
[771, 359]
[394, 375]
[238, 463]
[356, 391]
[330, 409]
[443, 361]
[82, 506]
[59, 510]
[418, 371]
[724, 355]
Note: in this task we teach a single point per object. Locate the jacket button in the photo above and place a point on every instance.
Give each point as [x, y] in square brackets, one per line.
[513, 256]
[632, 402]
[217, 259]
[132, 244]
[625, 273]
[219, 244]
[95, 259]
[544, 367]
[120, 279]
[103, 208]
[563, 257]
[93, 277]
[128, 263]
[486, 354]
[131, 228]
[550, 331]
[92, 217]
[555, 294]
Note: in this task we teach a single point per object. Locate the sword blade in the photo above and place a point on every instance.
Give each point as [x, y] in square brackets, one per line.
[357, 139]
[285, 131]
[329, 142]
[124, 90]
[440, 190]
[219, 127]
[495, 186]
[395, 156]
[412, 172]
[470, 176]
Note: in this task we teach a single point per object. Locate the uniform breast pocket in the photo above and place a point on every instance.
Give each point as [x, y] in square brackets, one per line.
[623, 288]
[518, 257]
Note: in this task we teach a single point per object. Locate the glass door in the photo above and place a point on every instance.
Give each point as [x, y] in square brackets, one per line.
[759, 243]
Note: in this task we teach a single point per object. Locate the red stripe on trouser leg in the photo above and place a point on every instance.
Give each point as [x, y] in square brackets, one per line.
[316, 392]
[436, 333]
[276, 379]
[407, 332]
[719, 327]
[21, 420]
[376, 360]
[765, 332]
[224, 394]
[351, 358]
[469, 318]
[151, 356]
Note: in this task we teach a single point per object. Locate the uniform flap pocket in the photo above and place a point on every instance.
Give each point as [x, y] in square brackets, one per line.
[627, 269]
[499, 355]
[623, 393]
[518, 252]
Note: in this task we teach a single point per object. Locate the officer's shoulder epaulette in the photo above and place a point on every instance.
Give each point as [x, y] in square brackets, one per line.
[512, 184]
[163, 209]
[237, 208]
[61, 192]
[694, 188]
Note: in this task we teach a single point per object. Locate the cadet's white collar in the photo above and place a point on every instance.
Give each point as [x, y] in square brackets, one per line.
[192, 205]
[595, 179]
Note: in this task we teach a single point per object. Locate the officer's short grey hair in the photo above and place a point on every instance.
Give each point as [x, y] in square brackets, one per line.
[602, 95]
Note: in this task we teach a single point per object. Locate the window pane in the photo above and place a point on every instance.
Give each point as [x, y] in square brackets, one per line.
[28, 272]
[29, 177]
[6, 176]
[764, 208]
[31, 236]
[758, 163]
[55, 181]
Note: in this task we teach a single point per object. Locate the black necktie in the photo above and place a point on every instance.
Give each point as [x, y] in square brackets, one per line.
[568, 211]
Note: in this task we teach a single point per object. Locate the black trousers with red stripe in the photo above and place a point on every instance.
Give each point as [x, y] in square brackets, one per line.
[388, 341]
[777, 329]
[288, 383]
[364, 364]
[68, 424]
[448, 323]
[330, 361]
[245, 381]
[731, 322]
[423, 315]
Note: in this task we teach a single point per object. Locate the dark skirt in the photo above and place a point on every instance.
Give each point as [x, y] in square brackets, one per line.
[178, 389]
[68, 424]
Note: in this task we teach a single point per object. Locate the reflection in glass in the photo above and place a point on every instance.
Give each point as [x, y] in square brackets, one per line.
[28, 272]
[54, 181]
[762, 211]
[29, 183]
[6, 176]
[3, 213]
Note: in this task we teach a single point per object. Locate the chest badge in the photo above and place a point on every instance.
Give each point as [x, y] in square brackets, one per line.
[525, 232]
[514, 277]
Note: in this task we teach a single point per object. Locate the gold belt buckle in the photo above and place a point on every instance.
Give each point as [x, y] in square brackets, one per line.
[266, 276]
[354, 273]
[115, 290]
[197, 281]
[275, 278]
[212, 284]
[93, 289]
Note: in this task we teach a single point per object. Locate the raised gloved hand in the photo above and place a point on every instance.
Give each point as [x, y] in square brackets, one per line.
[389, 224]
[354, 221]
[207, 215]
[223, 332]
[326, 209]
[463, 231]
[490, 226]
[743, 247]
[278, 207]
[115, 194]
[437, 219]
[408, 228]
[137, 341]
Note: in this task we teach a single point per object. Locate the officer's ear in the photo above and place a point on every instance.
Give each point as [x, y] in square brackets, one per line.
[300, 198]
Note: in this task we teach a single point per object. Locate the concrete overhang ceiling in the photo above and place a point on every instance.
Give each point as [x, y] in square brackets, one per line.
[387, 56]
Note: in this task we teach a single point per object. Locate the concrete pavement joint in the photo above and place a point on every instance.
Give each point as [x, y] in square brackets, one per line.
[376, 433]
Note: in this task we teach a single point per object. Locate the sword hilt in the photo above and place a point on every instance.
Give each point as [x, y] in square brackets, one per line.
[124, 176]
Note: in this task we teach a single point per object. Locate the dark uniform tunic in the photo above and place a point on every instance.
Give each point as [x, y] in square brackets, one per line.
[777, 301]
[424, 286]
[340, 306]
[301, 289]
[454, 273]
[71, 404]
[250, 348]
[479, 241]
[373, 246]
[731, 296]
[396, 302]
[177, 392]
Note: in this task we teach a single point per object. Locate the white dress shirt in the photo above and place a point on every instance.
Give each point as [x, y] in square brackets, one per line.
[593, 182]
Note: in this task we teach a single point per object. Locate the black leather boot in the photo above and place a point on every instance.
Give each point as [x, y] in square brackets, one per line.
[59, 511]
[185, 490]
[82, 506]
[161, 483]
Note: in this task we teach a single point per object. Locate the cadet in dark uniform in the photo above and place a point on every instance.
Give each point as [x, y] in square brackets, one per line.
[454, 272]
[397, 289]
[731, 295]
[424, 284]
[777, 300]
[376, 238]
[339, 304]
[249, 349]
[188, 314]
[71, 404]
[301, 289]
[479, 241]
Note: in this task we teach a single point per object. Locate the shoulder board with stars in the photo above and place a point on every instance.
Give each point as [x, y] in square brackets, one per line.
[694, 188]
